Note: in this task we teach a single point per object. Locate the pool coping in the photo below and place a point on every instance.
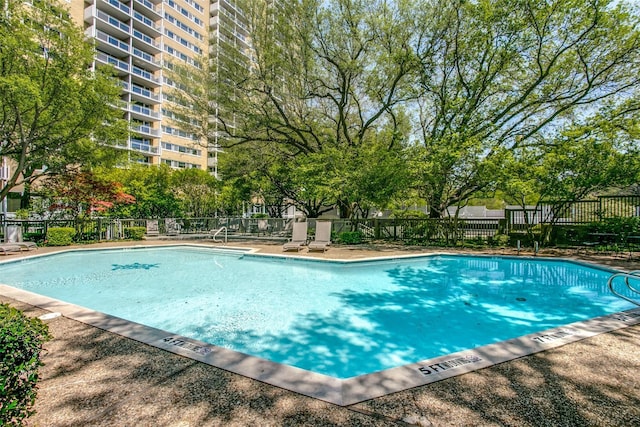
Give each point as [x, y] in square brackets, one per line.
[341, 392]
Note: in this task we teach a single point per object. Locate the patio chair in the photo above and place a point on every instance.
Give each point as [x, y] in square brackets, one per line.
[263, 227]
[25, 246]
[172, 228]
[14, 237]
[5, 248]
[322, 239]
[152, 227]
[298, 237]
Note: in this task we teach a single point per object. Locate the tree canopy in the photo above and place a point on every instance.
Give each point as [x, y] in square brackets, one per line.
[317, 86]
[501, 76]
[357, 104]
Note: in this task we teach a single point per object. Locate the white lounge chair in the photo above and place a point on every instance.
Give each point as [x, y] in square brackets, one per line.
[5, 248]
[172, 228]
[25, 246]
[298, 237]
[152, 228]
[14, 237]
[322, 239]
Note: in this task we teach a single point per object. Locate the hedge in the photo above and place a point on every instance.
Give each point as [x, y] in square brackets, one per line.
[135, 233]
[60, 236]
[21, 340]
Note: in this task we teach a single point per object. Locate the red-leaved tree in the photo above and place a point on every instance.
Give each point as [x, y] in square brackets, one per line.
[84, 194]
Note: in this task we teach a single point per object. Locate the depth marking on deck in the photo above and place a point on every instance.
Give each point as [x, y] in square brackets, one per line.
[449, 364]
[626, 317]
[545, 338]
[179, 342]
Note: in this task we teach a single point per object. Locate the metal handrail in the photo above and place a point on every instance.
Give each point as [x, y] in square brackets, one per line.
[634, 274]
[218, 231]
[630, 275]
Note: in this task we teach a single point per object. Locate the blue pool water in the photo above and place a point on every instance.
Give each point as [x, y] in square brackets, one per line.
[339, 319]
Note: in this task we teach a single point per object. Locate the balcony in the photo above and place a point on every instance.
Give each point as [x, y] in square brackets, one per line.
[142, 94]
[147, 25]
[146, 131]
[112, 25]
[120, 66]
[111, 44]
[115, 8]
[144, 77]
[143, 147]
[143, 41]
[146, 60]
[143, 113]
[148, 9]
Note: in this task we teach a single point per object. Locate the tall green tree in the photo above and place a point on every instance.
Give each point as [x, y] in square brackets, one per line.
[152, 188]
[319, 78]
[500, 76]
[600, 153]
[196, 191]
[56, 113]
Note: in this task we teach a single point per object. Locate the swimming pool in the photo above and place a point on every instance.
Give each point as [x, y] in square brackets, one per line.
[339, 319]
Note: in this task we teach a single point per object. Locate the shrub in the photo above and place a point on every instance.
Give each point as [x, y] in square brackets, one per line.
[351, 237]
[35, 237]
[476, 242]
[22, 214]
[60, 236]
[500, 240]
[21, 340]
[619, 225]
[409, 214]
[135, 233]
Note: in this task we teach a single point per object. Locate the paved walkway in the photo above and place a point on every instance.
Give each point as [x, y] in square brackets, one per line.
[96, 378]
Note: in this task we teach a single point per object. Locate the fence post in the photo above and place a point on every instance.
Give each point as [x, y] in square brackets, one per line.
[507, 221]
[502, 226]
[602, 206]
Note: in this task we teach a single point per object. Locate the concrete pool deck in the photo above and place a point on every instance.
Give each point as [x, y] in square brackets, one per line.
[94, 377]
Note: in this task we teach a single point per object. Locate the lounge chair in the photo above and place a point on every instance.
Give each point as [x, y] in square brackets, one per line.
[25, 246]
[298, 237]
[172, 228]
[263, 226]
[13, 237]
[322, 239]
[5, 248]
[152, 228]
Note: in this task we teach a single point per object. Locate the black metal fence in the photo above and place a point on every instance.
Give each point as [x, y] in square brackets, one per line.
[425, 231]
[446, 231]
[575, 212]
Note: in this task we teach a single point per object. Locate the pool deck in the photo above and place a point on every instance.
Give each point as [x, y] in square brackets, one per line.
[93, 378]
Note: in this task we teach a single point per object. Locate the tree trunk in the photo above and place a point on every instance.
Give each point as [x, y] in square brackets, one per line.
[434, 211]
[346, 210]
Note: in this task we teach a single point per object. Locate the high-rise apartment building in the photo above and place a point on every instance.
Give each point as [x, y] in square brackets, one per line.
[228, 33]
[143, 38]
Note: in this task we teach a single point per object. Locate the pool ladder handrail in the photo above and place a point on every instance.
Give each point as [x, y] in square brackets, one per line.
[218, 231]
[627, 275]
